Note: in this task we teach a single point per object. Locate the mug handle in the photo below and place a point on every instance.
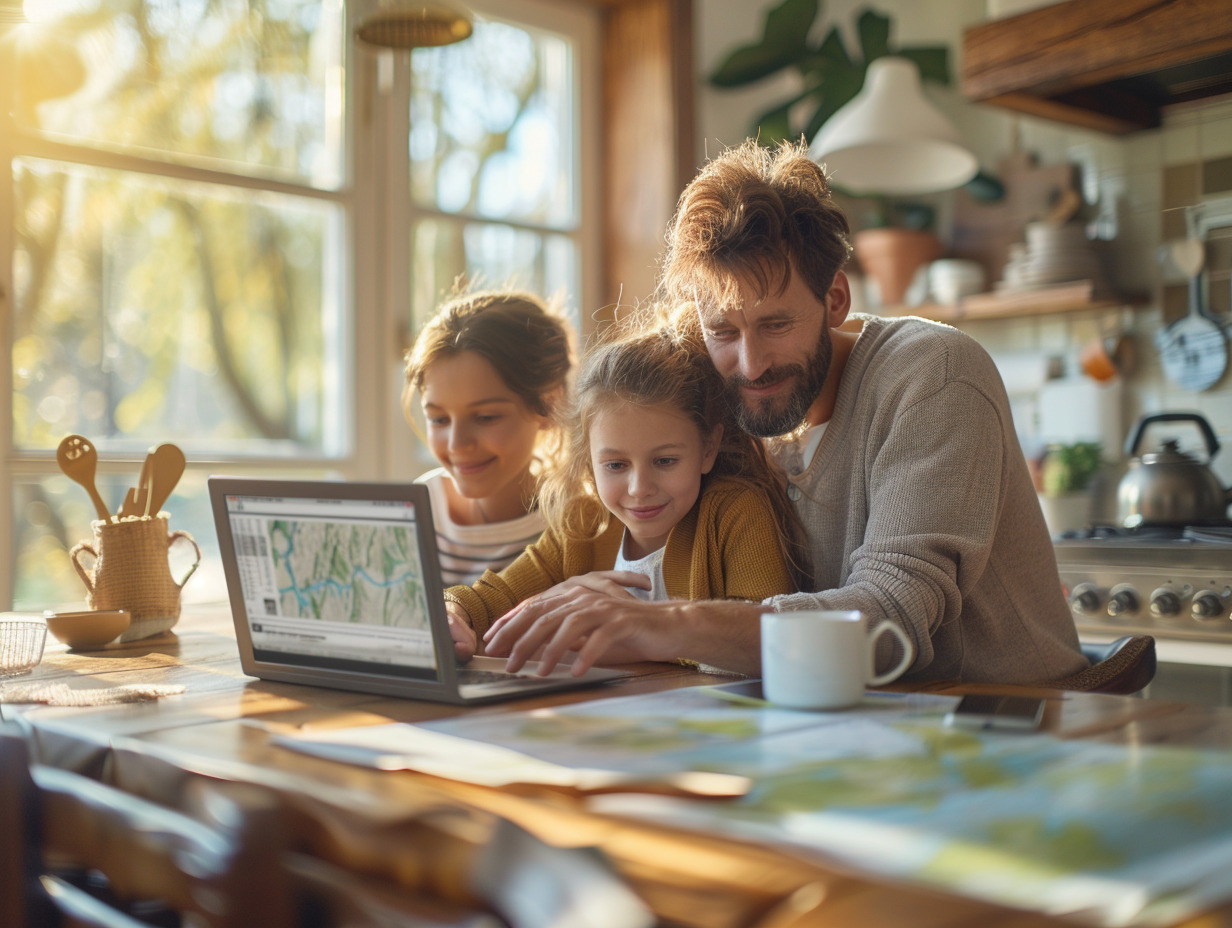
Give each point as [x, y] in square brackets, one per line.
[172, 539]
[83, 548]
[908, 652]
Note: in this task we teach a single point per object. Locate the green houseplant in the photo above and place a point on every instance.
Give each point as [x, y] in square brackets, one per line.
[1066, 478]
[829, 74]
[1070, 468]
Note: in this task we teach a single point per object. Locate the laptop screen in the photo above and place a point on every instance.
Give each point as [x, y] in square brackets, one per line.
[334, 583]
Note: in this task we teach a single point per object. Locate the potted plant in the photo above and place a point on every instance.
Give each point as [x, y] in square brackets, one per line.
[1066, 476]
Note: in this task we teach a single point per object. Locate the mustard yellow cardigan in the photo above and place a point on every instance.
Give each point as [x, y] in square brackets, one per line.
[726, 547]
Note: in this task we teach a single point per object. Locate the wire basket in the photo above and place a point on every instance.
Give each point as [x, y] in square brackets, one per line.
[21, 644]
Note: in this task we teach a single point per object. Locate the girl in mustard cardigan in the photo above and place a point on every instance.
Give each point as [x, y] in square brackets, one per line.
[656, 481]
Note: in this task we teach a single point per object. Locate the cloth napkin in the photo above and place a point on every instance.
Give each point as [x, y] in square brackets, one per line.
[61, 694]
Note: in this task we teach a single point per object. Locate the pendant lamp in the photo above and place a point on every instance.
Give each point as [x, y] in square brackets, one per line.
[889, 139]
[407, 24]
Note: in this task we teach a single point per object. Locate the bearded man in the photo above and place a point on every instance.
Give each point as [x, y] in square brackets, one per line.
[895, 435]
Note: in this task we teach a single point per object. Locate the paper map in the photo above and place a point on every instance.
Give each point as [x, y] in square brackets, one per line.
[1112, 834]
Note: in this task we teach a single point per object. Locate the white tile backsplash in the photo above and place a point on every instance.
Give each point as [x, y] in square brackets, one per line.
[1215, 139]
[1180, 144]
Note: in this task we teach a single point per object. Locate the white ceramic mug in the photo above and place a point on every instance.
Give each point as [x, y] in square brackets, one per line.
[823, 658]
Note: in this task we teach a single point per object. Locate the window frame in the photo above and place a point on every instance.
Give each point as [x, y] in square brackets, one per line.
[374, 196]
[400, 451]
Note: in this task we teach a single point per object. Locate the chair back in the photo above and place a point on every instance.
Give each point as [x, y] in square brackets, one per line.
[92, 855]
[1122, 667]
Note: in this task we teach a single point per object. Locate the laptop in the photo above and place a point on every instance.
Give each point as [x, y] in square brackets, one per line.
[337, 584]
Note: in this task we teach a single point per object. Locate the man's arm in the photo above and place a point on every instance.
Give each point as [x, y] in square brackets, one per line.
[617, 630]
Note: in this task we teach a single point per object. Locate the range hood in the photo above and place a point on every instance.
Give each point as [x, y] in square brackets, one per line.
[1110, 65]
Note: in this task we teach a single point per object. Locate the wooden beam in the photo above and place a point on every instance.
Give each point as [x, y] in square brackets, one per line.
[1061, 61]
[648, 138]
[1084, 42]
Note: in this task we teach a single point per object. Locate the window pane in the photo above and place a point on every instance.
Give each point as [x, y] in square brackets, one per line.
[492, 255]
[254, 83]
[152, 310]
[492, 126]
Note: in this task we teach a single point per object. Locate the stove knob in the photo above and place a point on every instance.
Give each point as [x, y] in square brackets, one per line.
[1085, 599]
[1165, 602]
[1206, 605]
[1123, 599]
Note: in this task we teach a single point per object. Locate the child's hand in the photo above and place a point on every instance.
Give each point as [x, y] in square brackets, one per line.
[465, 641]
[612, 582]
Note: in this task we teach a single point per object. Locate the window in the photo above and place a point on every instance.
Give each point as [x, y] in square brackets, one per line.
[220, 214]
[493, 188]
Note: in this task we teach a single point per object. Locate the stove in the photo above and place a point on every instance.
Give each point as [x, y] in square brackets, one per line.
[1170, 582]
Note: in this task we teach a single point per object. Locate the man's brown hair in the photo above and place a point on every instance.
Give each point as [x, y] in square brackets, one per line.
[754, 213]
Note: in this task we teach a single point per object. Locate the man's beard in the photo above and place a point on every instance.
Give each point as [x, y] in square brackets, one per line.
[763, 419]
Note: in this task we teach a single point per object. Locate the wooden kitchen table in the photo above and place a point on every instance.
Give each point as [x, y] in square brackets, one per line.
[221, 728]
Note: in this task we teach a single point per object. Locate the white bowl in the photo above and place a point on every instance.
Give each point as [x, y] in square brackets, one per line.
[951, 279]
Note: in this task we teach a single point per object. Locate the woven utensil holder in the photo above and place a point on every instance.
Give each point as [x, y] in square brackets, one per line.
[131, 571]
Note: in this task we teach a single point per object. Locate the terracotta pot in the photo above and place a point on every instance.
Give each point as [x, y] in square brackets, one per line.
[893, 256]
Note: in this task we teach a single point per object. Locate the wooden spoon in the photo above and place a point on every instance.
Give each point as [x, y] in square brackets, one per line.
[166, 465]
[78, 459]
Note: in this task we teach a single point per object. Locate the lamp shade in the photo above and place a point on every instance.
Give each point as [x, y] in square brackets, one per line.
[889, 139]
[412, 24]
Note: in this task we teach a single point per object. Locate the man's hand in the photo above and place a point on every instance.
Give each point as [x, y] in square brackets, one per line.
[593, 614]
[465, 641]
[612, 582]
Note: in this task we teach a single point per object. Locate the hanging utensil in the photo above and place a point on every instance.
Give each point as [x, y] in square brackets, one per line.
[1193, 350]
[78, 459]
[165, 466]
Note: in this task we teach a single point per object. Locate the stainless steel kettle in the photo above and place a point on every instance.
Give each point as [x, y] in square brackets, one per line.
[1169, 486]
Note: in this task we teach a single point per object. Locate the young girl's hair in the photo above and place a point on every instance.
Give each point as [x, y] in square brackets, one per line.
[659, 368]
[526, 343]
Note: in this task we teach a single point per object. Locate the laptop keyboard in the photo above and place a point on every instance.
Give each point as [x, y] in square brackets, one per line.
[471, 677]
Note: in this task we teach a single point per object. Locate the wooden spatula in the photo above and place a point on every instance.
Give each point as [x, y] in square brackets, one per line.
[165, 466]
[134, 499]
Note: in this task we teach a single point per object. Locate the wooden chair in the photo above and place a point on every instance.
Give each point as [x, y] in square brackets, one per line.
[76, 852]
[328, 896]
[1123, 667]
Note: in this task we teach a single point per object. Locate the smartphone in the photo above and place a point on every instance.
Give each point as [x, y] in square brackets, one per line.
[1010, 713]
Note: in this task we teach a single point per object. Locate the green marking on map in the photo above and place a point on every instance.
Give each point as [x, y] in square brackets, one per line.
[639, 735]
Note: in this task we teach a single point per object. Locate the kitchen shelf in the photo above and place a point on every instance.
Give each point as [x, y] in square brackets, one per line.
[1109, 65]
[1005, 304]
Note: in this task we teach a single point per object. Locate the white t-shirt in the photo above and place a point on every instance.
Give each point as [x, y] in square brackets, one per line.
[650, 566]
[795, 454]
[466, 551]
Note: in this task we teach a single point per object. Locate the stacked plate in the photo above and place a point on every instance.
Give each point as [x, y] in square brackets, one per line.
[1054, 254]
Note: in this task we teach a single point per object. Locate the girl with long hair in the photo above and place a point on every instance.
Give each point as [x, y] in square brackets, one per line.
[656, 481]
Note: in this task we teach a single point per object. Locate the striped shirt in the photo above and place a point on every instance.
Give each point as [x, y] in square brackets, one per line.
[466, 551]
